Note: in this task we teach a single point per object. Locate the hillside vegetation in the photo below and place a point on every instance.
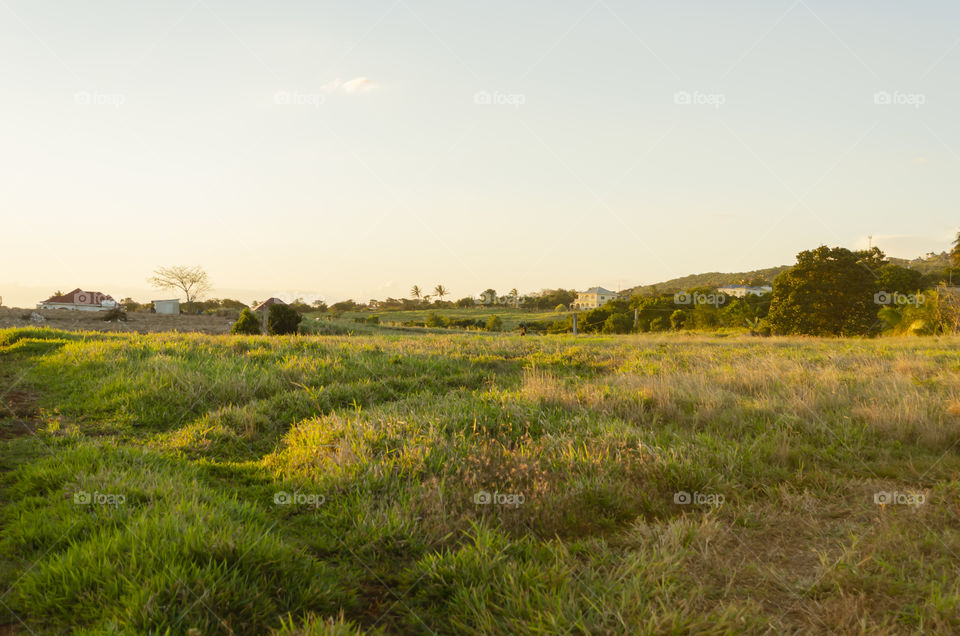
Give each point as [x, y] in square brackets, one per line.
[477, 483]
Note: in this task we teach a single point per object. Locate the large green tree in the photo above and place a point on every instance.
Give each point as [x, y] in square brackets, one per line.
[893, 278]
[829, 292]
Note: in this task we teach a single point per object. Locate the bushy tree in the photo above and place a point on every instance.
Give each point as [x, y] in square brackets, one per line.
[620, 322]
[677, 319]
[494, 323]
[343, 306]
[895, 279]
[436, 320]
[247, 323]
[283, 319]
[829, 292]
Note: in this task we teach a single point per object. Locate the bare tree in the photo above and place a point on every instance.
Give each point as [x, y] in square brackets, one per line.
[191, 280]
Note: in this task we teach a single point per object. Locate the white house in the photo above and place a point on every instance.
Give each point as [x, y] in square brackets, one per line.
[80, 300]
[594, 297]
[740, 291]
[171, 306]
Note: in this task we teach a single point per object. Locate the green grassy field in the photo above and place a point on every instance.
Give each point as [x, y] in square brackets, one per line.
[495, 484]
[511, 317]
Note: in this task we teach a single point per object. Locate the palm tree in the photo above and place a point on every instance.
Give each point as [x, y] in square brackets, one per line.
[415, 292]
[440, 291]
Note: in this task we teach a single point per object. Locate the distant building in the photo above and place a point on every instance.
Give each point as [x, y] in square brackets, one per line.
[80, 300]
[265, 305]
[741, 291]
[167, 306]
[594, 297]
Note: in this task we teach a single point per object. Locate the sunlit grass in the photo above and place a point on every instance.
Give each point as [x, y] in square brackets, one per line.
[388, 444]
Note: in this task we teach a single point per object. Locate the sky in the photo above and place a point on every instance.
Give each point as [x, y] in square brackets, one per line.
[333, 150]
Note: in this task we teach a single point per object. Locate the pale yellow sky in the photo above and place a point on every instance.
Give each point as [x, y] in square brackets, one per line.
[351, 150]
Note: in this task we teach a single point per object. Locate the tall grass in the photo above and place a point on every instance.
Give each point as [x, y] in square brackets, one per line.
[473, 483]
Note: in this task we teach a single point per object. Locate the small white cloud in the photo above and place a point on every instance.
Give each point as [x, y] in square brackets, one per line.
[354, 86]
[359, 85]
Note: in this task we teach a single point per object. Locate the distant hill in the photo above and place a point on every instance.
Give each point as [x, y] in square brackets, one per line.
[710, 279]
[926, 264]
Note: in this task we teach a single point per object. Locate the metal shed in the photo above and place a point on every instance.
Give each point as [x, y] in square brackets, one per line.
[167, 306]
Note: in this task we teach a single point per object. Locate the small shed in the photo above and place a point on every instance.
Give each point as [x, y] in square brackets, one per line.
[171, 307]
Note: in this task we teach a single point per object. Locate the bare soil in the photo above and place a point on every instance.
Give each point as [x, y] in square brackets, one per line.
[140, 322]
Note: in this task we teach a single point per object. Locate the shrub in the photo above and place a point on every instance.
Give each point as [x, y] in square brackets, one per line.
[283, 319]
[247, 324]
[618, 323]
[494, 323]
[373, 320]
[658, 324]
[465, 323]
[435, 320]
[560, 307]
[115, 314]
[677, 318]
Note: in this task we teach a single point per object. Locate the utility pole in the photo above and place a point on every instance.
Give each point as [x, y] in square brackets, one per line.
[870, 241]
[574, 323]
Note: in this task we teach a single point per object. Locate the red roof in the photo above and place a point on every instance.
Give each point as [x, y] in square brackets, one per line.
[79, 297]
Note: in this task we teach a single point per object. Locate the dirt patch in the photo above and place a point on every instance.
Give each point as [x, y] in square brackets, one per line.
[139, 322]
[21, 406]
